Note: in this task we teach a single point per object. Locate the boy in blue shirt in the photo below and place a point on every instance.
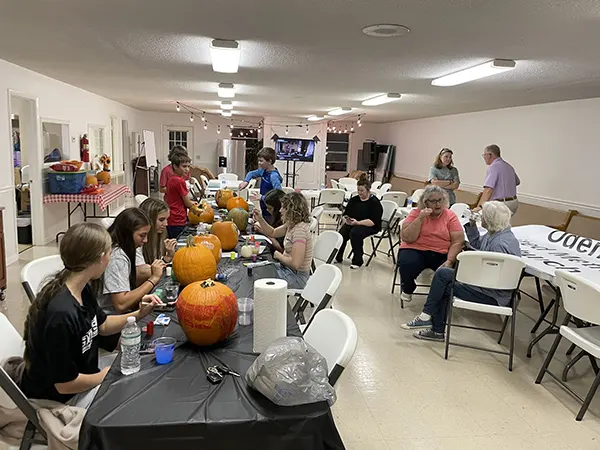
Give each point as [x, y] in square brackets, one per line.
[269, 175]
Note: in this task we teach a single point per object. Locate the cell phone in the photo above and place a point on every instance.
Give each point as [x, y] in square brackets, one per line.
[345, 217]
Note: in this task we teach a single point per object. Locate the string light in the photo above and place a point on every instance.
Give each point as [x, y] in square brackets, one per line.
[352, 128]
[231, 133]
[178, 108]
[192, 117]
[205, 126]
[287, 129]
[219, 129]
[203, 118]
[306, 129]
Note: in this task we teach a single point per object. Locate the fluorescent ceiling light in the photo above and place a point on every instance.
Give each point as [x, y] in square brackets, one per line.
[381, 99]
[225, 56]
[226, 90]
[474, 73]
[315, 118]
[226, 104]
[226, 113]
[340, 111]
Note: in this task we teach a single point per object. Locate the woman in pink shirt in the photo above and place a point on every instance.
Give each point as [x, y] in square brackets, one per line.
[432, 236]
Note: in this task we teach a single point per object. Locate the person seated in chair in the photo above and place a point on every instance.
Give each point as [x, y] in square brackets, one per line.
[362, 218]
[499, 239]
[431, 236]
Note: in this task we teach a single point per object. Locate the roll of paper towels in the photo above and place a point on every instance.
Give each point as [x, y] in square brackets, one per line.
[270, 312]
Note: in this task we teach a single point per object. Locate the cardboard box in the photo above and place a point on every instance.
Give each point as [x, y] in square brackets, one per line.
[17, 176]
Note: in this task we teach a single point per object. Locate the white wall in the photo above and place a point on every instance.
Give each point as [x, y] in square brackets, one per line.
[58, 101]
[554, 148]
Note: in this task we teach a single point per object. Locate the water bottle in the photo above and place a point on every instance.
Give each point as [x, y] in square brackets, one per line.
[322, 186]
[131, 336]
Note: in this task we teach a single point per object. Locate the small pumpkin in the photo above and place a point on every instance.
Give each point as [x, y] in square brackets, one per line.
[240, 217]
[202, 213]
[223, 196]
[103, 177]
[227, 232]
[237, 202]
[91, 180]
[211, 242]
[247, 251]
[193, 263]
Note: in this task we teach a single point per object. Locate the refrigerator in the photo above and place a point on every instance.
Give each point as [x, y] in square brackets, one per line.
[385, 162]
[231, 157]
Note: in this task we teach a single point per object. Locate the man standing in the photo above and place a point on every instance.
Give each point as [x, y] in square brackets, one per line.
[501, 180]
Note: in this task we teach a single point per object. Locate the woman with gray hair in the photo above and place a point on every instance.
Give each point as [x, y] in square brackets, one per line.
[500, 239]
[431, 236]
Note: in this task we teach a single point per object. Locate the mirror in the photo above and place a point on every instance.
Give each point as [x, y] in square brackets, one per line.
[55, 141]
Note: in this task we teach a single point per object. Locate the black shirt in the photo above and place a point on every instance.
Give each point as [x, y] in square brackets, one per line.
[63, 345]
[369, 209]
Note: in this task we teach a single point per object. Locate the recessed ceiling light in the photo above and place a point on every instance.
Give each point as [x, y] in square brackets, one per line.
[315, 118]
[226, 104]
[386, 30]
[381, 99]
[226, 113]
[474, 73]
[225, 56]
[226, 90]
[340, 111]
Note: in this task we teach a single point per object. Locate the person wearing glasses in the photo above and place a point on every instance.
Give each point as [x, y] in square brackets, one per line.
[444, 174]
[501, 180]
[432, 236]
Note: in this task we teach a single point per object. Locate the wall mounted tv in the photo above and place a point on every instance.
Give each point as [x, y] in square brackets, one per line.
[295, 150]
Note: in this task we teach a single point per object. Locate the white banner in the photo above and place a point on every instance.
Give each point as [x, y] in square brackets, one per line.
[545, 249]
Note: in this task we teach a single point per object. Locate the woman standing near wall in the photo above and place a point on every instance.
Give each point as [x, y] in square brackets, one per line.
[444, 174]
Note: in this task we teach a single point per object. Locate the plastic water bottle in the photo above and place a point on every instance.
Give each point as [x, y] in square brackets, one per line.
[322, 186]
[131, 336]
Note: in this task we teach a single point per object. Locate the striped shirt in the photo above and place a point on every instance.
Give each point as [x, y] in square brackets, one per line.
[299, 233]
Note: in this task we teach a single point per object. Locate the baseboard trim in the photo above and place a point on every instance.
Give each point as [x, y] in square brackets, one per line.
[12, 259]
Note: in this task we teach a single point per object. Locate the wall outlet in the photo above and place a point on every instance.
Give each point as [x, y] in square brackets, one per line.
[73, 139]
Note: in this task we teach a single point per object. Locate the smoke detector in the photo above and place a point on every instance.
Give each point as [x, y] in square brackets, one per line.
[386, 30]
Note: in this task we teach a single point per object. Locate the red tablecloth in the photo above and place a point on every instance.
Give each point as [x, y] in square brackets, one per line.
[110, 194]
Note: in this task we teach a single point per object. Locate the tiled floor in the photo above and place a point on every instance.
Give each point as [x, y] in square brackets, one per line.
[399, 393]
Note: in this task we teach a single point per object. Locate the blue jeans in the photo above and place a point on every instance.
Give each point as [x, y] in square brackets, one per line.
[295, 279]
[439, 295]
[173, 231]
[412, 262]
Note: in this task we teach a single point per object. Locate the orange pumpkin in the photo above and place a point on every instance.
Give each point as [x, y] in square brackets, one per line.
[207, 311]
[202, 213]
[223, 196]
[103, 177]
[227, 233]
[237, 202]
[91, 180]
[193, 263]
[211, 242]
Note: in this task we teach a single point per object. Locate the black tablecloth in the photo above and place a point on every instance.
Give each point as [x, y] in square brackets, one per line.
[175, 407]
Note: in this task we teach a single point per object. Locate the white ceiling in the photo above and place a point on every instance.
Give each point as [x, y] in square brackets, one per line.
[303, 57]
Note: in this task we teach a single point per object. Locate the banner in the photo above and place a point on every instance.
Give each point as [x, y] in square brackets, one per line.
[545, 249]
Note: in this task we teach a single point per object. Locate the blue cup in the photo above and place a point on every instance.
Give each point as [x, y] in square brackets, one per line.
[163, 349]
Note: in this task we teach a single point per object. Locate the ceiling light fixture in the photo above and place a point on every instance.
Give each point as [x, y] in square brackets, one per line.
[386, 30]
[219, 129]
[226, 105]
[315, 118]
[192, 117]
[178, 108]
[381, 99]
[225, 55]
[340, 111]
[226, 90]
[226, 113]
[487, 69]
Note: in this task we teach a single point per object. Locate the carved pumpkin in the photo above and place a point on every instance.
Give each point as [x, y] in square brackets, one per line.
[103, 177]
[91, 180]
[227, 233]
[239, 217]
[193, 263]
[237, 202]
[202, 213]
[211, 242]
[207, 312]
[223, 196]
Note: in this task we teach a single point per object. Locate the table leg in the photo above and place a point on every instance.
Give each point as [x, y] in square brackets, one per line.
[538, 287]
[85, 211]
[551, 329]
[542, 316]
[69, 213]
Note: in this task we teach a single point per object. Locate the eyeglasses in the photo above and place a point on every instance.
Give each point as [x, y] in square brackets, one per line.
[435, 201]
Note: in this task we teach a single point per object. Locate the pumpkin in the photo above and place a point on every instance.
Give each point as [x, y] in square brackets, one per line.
[103, 177]
[223, 196]
[91, 180]
[227, 233]
[240, 217]
[211, 242]
[193, 263]
[247, 251]
[202, 213]
[207, 312]
[237, 202]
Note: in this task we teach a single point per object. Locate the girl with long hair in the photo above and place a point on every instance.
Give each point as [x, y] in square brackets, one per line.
[296, 258]
[273, 203]
[64, 321]
[443, 174]
[157, 246]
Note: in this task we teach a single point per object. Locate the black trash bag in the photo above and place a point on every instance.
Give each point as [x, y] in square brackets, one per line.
[290, 372]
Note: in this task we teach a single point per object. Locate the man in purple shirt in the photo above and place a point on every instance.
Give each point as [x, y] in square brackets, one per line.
[501, 180]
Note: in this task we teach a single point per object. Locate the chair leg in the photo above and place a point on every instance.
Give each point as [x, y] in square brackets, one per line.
[571, 349]
[448, 326]
[503, 329]
[571, 363]
[392, 248]
[394, 281]
[550, 354]
[374, 252]
[588, 398]
[513, 323]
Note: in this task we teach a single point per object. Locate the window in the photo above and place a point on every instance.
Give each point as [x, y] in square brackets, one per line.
[178, 137]
[336, 159]
[96, 136]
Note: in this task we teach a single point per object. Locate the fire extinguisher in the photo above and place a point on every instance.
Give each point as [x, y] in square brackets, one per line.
[84, 146]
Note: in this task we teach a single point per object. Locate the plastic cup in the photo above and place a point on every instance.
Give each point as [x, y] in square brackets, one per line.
[245, 304]
[163, 349]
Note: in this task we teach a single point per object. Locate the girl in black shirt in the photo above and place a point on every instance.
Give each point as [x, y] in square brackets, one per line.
[64, 320]
[362, 219]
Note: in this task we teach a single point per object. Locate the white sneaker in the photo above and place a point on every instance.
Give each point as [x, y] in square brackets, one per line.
[407, 298]
[354, 267]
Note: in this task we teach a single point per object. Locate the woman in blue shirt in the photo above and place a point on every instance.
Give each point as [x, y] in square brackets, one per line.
[269, 175]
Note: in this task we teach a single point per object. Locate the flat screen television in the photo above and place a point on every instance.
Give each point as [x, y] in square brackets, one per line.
[295, 150]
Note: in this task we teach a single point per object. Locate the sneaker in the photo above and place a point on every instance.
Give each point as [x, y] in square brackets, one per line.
[429, 335]
[354, 266]
[407, 298]
[416, 323]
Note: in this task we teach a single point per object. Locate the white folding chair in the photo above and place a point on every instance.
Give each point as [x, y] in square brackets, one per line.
[227, 176]
[318, 292]
[287, 190]
[335, 185]
[459, 209]
[332, 201]
[35, 274]
[326, 247]
[416, 196]
[139, 199]
[384, 188]
[488, 270]
[387, 222]
[107, 222]
[375, 185]
[314, 225]
[251, 183]
[333, 334]
[349, 184]
[204, 180]
[397, 197]
[11, 396]
[196, 189]
[316, 213]
[581, 299]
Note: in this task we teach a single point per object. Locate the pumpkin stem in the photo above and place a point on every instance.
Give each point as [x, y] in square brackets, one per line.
[190, 241]
[207, 283]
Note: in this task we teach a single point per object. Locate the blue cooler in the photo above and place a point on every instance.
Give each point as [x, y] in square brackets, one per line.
[66, 182]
